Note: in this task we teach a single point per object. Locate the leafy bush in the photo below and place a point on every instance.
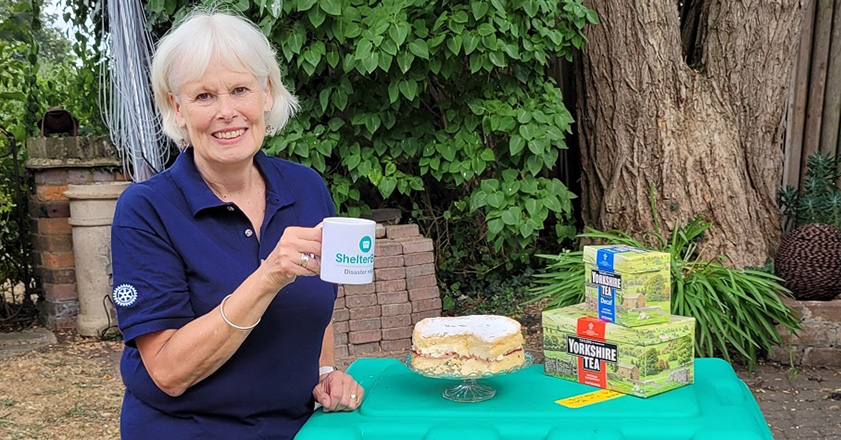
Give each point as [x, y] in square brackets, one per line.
[19, 50]
[446, 109]
[819, 200]
[39, 70]
[735, 310]
[495, 293]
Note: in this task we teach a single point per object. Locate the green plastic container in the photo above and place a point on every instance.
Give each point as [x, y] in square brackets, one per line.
[400, 404]
[626, 285]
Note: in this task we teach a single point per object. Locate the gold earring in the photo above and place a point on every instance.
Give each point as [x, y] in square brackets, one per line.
[182, 143]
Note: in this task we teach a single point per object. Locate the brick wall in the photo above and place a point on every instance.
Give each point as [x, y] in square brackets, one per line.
[379, 317]
[819, 341]
[53, 164]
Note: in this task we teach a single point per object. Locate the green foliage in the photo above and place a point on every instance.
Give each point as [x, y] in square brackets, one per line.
[452, 98]
[496, 293]
[819, 199]
[446, 109]
[39, 70]
[19, 49]
[75, 86]
[14, 227]
[19, 67]
[735, 310]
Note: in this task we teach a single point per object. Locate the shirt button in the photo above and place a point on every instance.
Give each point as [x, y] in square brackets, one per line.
[248, 232]
[230, 208]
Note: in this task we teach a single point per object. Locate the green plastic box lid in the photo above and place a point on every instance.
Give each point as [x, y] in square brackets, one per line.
[566, 319]
[400, 404]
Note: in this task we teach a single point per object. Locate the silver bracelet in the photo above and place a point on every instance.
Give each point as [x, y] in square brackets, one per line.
[325, 369]
[222, 312]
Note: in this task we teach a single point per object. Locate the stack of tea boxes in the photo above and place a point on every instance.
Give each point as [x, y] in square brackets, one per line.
[622, 337]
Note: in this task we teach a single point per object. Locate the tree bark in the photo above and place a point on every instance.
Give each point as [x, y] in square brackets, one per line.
[708, 138]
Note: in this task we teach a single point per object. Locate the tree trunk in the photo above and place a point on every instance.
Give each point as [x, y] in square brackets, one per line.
[704, 129]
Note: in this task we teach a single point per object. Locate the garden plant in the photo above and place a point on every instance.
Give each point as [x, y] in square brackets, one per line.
[819, 200]
[736, 310]
[809, 256]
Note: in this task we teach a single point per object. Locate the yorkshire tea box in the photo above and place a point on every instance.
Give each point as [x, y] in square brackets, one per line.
[641, 361]
[626, 285]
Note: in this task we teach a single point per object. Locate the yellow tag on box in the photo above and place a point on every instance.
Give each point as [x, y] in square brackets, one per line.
[582, 400]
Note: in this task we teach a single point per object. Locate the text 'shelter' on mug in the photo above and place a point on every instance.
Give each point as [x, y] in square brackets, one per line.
[347, 250]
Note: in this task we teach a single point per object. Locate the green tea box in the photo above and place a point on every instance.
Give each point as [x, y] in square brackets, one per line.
[626, 285]
[641, 361]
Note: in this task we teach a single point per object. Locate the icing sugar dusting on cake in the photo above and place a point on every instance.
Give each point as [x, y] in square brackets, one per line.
[486, 327]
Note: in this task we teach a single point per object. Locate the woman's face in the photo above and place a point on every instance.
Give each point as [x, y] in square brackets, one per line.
[223, 111]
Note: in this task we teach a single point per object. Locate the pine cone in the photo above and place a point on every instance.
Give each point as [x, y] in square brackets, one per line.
[809, 260]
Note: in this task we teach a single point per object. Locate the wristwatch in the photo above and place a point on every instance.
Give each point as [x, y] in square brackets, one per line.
[325, 370]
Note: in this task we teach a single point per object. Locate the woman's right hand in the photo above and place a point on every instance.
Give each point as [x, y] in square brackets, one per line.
[284, 262]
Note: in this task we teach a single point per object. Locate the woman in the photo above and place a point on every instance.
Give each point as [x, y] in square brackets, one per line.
[227, 328]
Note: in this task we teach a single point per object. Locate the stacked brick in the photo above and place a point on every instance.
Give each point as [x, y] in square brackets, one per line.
[818, 343]
[380, 316]
[53, 164]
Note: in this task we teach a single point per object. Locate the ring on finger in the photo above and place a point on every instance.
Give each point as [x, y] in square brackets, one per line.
[304, 260]
[354, 397]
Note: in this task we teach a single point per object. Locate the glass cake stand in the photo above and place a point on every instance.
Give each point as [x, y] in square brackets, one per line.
[468, 390]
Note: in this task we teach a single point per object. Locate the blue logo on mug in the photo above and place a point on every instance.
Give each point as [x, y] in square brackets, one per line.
[365, 244]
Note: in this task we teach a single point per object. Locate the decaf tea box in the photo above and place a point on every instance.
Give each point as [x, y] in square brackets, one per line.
[641, 361]
[626, 285]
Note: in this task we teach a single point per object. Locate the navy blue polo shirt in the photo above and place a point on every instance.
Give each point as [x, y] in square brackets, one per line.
[177, 251]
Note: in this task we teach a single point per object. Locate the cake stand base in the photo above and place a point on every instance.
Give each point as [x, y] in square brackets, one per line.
[469, 391]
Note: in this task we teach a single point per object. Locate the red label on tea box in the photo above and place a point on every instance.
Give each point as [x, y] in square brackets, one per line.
[591, 328]
[591, 369]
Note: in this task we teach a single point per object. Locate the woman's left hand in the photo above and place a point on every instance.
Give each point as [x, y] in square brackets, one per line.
[337, 391]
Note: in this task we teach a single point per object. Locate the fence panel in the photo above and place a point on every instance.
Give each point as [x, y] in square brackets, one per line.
[814, 110]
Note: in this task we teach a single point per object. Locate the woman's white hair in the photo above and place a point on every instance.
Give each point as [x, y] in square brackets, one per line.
[185, 52]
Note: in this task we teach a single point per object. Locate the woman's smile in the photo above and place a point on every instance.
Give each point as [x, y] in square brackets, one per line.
[229, 134]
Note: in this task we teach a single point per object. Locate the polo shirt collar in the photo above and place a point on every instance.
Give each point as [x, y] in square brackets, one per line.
[199, 196]
[277, 187]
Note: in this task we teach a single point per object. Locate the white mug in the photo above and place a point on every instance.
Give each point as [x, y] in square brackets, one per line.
[347, 250]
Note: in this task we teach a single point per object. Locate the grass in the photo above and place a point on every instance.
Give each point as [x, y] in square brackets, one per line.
[78, 410]
[49, 392]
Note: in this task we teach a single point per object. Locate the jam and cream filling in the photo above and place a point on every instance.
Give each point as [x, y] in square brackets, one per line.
[443, 353]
